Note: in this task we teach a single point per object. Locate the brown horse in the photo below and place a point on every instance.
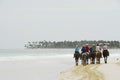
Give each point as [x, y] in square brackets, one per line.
[92, 57]
[98, 56]
[105, 55]
[76, 56]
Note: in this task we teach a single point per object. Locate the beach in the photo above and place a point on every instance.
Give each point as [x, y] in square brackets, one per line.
[57, 67]
[90, 72]
[109, 71]
[37, 68]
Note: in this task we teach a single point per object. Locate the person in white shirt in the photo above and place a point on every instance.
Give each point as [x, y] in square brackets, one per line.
[98, 54]
[98, 48]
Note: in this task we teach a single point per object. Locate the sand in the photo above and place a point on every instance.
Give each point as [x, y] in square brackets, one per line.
[35, 68]
[58, 68]
[109, 71]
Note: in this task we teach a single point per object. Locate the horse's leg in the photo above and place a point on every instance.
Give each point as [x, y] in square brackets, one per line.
[106, 60]
[100, 56]
[93, 61]
[84, 61]
[76, 60]
[98, 60]
[81, 61]
[87, 57]
[90, 58]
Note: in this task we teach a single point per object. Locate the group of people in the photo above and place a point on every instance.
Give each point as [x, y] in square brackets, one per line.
[92, 53]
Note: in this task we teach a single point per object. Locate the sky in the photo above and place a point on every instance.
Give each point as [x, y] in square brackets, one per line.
[57, 20]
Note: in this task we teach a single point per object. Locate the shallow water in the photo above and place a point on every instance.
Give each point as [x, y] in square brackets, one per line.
[24, 54]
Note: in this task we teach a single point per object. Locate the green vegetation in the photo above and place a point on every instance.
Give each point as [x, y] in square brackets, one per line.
[69, 44]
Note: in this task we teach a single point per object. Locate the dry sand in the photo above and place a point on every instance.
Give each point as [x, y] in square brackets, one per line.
[110, 71]
[80, 72]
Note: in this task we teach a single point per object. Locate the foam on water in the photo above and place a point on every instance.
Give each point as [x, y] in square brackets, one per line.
[32, 54]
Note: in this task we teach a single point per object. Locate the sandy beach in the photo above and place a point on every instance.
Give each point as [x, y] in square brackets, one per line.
[92, 72]
[58, 68]
[34, 68]
[109, 71]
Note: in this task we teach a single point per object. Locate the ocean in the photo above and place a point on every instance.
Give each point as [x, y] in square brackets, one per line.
[27, 54]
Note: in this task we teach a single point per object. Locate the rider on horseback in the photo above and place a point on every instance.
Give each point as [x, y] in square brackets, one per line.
[105, 52]
[87, 52]
[105, 49]
[76, 49]
[92, 54]
[76, 54]
[87, 48]
[98, 49]
[83, 52]
[93, 48]
[98, 54]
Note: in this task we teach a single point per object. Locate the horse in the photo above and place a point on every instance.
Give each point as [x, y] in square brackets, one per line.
[98, 56]
[92, 57]
[76, 56]
[85, 58]
[105, 55]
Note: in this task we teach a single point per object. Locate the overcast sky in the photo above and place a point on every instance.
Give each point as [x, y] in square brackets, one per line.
[57, 20]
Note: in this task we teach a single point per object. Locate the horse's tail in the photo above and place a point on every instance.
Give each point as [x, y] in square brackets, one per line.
[76, 55]
[98, 54]
[84, 55]
[105, 53]
[84, 58]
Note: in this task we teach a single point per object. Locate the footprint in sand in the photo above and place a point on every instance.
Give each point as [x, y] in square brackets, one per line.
[80, 72]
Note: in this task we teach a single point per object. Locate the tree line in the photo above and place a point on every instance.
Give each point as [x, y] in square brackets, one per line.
[69, 44]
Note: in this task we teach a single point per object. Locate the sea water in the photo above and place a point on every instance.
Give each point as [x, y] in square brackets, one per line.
[22, 54]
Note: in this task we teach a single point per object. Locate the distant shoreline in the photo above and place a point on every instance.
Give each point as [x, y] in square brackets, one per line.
[70, 44]
[43, 48]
